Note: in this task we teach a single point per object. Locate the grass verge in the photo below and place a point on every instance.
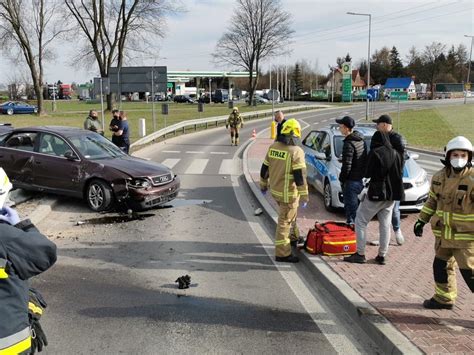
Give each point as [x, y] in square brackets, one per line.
[432, 128]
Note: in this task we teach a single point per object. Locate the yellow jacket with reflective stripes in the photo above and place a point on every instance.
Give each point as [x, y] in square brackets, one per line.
[450, 207]
[235, 120]
[282, 160]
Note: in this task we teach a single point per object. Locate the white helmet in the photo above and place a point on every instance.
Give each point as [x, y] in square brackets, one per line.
[5, 187]
[459, 143]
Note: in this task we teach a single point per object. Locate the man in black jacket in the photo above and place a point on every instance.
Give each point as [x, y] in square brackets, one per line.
[384, 124]
[354, 155]
[385, 169]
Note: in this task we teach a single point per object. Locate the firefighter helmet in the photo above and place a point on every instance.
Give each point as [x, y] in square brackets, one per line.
[5, 187]
[459, 143]
[291, 127]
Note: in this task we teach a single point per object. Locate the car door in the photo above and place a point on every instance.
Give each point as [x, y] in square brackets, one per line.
[322, 145]
[16, 157]
[53, 171]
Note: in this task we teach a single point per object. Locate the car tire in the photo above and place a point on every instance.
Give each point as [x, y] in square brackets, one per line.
[99, 195]
[10, 111]
[327, 197]
[35, 110]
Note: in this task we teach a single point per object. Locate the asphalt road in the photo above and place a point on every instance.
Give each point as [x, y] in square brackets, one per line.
[113, 290]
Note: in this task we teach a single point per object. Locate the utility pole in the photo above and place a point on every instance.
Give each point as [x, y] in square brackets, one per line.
[468, 83]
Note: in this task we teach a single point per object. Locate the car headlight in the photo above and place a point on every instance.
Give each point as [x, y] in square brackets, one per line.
[423, 179]
[139, 183]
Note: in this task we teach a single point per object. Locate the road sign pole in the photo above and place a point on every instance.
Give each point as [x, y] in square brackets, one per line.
[153, 99]
[102, 104]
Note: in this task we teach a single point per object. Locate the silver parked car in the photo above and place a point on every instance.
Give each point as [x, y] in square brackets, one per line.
[323, 151]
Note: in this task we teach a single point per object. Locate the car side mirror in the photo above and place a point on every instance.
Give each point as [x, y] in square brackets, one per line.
[69, 155]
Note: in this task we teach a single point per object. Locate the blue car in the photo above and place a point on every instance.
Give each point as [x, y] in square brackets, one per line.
[323, 151]
[14, 107]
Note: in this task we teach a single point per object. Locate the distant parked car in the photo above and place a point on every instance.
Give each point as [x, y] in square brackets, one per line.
[205, 99]
[323, 149]
[15, 107]
[259, 99]
[75, 162]
[183, 99]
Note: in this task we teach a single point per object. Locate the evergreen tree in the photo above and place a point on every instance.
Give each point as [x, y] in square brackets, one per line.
[396, 66]
[298, 80]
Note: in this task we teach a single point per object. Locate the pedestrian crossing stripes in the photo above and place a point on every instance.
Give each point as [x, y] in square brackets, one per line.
[227, 167]
[170, 163]
[197, 166]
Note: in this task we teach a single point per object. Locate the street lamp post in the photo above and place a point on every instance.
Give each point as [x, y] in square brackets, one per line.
[469, 68]
[102, 104]
[368, 61]
[210, 91]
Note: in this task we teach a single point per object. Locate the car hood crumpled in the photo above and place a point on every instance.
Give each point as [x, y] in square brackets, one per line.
[136, 167]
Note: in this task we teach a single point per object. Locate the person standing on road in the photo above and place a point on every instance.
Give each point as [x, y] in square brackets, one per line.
[92, 123]
[354, 156]
[279, 119]
[122, 133]
[385, 169]
[384, 124]
[284, 172]
[235, 121]
[113, 126]
[450, 208]
[24, 253]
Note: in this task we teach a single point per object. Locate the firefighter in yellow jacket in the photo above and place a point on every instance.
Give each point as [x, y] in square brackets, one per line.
[450, 208]
[235, 121]
[284, 172]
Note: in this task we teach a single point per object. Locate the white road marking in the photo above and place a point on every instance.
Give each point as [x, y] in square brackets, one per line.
[194, 152]
[197, 166]
[219, 153]
[170, 163]
[171, 151]
[227, 167]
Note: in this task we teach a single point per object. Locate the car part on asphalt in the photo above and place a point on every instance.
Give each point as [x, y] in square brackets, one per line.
[183, 281]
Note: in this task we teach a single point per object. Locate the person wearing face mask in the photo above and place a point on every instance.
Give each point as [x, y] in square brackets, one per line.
[450, 209]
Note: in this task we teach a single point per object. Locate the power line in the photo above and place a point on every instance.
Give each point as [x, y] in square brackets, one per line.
[319, 40]
[377, 20]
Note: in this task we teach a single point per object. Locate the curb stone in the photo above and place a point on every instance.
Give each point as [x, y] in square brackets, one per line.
[375, 325]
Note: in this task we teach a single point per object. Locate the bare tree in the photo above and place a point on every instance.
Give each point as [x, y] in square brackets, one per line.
[433, 61]
[29, 27]
[111, 31]
[259, 29]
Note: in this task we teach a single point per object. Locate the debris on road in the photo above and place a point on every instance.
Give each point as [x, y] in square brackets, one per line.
[258, 211]
[183, 281]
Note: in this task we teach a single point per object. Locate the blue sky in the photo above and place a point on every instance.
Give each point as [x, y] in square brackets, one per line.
[323, 31]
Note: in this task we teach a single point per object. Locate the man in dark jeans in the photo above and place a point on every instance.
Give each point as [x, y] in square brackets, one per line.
[122, 134]
[354, 155]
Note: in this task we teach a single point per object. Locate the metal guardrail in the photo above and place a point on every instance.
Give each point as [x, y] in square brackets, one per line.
[214, 121]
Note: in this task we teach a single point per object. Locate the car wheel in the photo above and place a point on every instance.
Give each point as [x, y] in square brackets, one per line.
[99, 195]
[10, 111]
[35, 110]
[328, 197]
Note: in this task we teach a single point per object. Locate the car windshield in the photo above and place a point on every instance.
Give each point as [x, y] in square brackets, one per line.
[94, 146]
[339, 142]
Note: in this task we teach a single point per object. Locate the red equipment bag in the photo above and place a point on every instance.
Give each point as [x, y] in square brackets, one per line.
[331, 238]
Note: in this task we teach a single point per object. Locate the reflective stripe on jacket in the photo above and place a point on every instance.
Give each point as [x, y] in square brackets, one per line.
[450, 207]
[24, 253]
[16, 343]
[282, 161]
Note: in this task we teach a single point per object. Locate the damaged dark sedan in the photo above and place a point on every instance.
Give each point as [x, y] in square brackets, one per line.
[74, 162]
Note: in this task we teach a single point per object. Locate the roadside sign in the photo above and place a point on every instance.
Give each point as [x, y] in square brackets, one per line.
[399, 95]
[347, 82]
[320, 94]
[467, 86]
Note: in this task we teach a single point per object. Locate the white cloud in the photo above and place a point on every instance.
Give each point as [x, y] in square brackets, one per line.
[323, 31]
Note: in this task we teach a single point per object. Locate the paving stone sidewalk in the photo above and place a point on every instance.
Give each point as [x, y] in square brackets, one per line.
[398, 288]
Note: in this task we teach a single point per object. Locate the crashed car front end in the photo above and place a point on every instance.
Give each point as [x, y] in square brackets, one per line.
[142, 193]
